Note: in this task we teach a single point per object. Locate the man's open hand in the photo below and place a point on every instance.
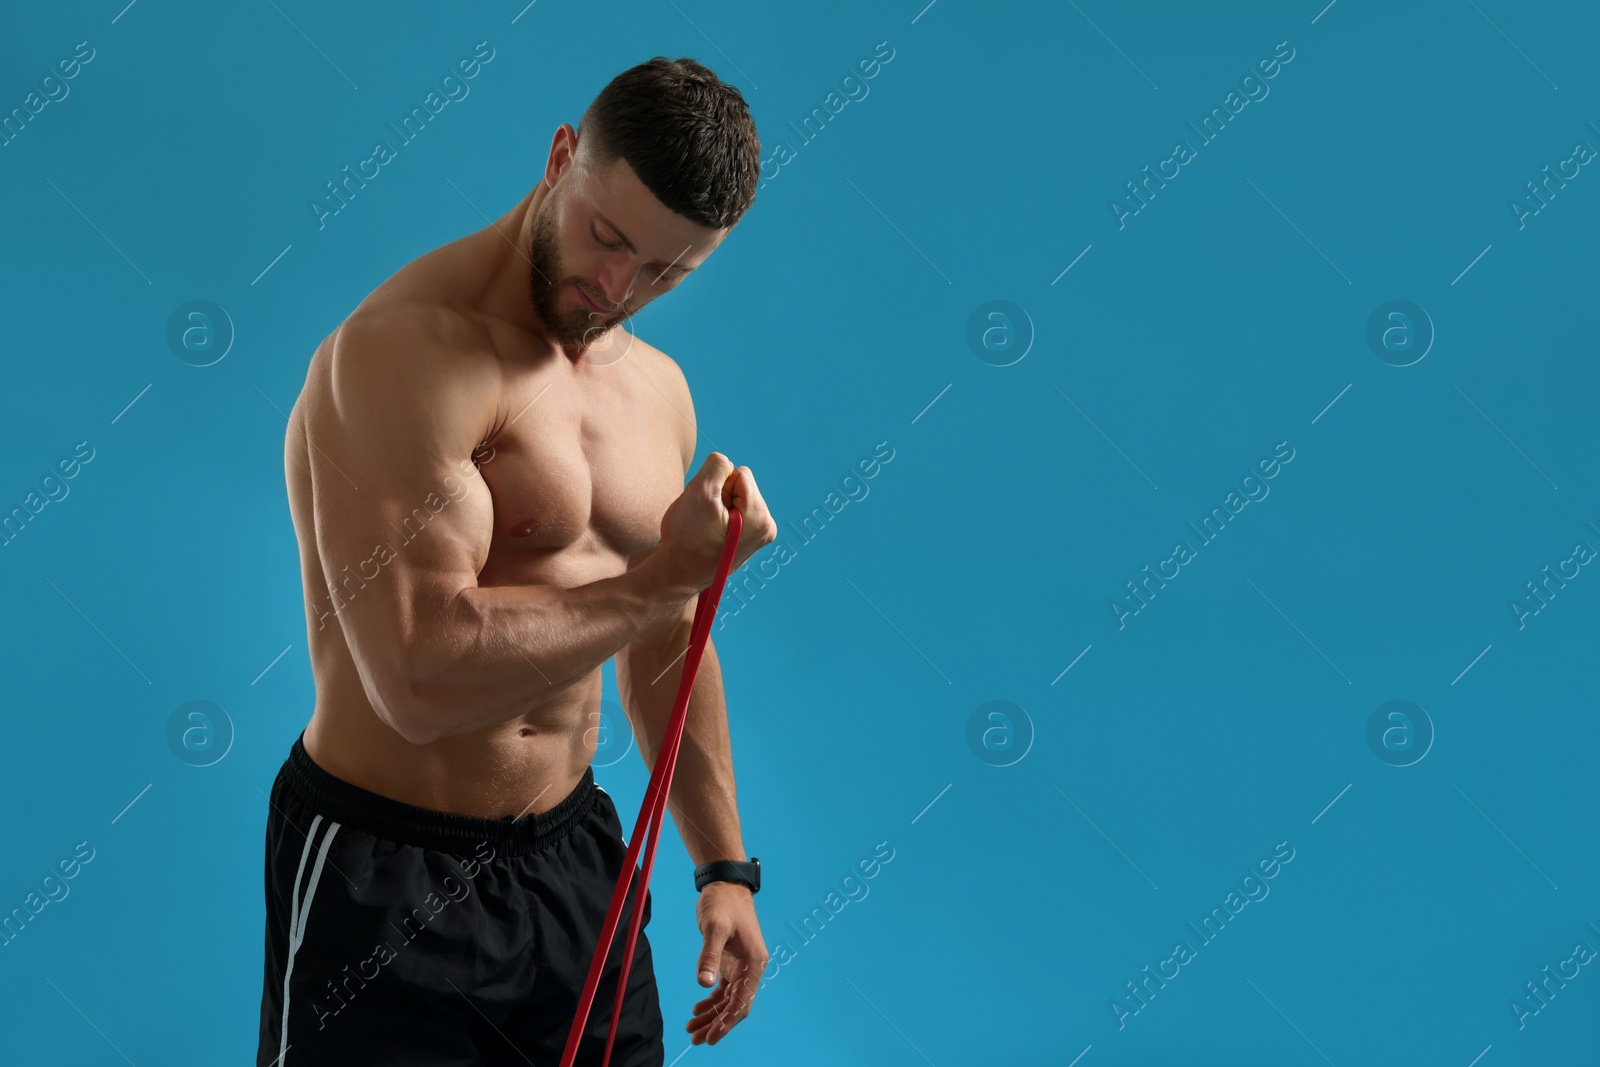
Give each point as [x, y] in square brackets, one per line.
[726, 913]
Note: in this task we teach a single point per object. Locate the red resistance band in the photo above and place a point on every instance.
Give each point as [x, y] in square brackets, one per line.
[652, 811]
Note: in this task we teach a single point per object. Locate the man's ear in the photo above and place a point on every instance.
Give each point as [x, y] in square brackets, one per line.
[563, 153]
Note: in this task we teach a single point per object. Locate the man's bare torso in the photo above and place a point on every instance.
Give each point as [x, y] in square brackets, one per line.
[581, 460]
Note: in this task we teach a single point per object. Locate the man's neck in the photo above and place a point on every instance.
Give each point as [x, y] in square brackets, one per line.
[508, 238]
[509, 295]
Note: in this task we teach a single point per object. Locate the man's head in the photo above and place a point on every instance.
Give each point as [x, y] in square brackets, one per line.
[663, 164]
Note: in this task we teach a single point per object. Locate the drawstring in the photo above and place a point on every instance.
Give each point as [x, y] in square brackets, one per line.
[652, 811]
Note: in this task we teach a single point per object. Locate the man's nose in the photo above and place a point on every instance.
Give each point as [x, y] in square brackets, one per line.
[618, 281]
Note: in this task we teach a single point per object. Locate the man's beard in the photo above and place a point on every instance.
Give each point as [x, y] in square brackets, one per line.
[547, 284]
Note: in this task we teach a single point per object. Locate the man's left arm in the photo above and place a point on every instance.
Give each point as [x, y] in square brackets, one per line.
[704, 806]
[703, 798]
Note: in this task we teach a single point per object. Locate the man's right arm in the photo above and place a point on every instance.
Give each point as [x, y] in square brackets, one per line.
[414, 393]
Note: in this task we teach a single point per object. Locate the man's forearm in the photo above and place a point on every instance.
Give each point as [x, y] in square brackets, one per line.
[703, 800]
[498, 651]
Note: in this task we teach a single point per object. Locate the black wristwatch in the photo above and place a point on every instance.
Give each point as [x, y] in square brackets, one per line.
[746, 874]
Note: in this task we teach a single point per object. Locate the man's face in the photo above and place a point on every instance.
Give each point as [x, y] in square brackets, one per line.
[603, 247]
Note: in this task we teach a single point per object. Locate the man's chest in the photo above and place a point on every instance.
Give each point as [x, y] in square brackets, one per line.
[581, 463]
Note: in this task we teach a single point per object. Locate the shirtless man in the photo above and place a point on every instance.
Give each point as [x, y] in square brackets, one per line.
[486, 478]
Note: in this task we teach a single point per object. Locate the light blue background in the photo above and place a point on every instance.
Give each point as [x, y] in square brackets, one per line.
[1229, 715]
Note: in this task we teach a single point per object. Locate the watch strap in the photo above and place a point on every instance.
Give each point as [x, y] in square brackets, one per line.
[747, 874]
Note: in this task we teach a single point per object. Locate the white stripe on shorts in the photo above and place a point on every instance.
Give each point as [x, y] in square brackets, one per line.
[298, 914]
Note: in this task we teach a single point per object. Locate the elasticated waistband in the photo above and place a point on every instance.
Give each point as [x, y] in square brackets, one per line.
[407, 824]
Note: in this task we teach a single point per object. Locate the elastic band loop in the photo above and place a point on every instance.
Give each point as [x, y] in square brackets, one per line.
[652, 812]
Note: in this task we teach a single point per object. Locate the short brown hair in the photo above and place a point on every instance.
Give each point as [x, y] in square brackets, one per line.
[687, 135]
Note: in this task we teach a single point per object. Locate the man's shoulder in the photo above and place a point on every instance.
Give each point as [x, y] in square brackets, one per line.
[394, 347]
[426, 323]
[668, 380]
[658, 363]
[666, 376]
[411, 336]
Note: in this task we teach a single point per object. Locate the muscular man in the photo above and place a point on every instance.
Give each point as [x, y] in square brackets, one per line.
[486, 478]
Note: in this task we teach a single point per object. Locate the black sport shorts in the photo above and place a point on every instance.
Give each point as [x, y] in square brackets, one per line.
[398, 935]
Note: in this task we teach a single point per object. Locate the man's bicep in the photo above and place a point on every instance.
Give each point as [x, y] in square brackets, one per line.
[403, 518]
